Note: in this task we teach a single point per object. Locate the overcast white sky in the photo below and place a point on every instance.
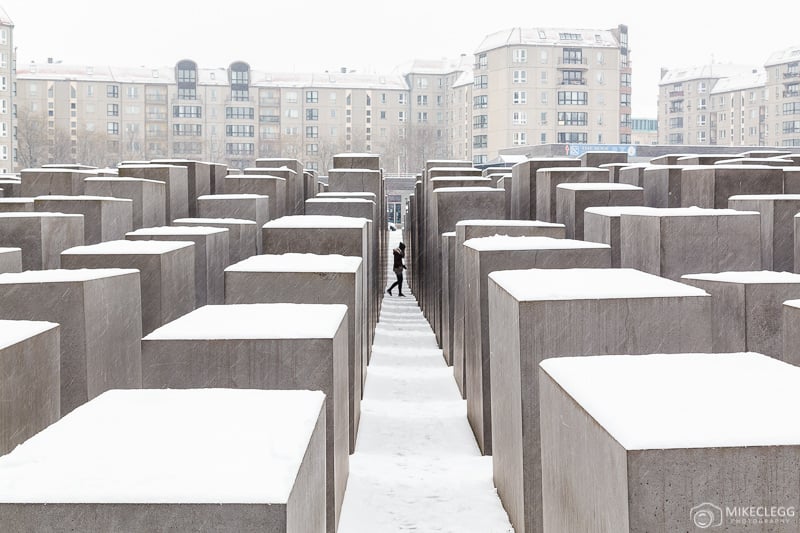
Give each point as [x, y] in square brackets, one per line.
[376, 36]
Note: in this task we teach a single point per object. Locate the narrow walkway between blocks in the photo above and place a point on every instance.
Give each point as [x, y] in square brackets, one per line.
[416, 466]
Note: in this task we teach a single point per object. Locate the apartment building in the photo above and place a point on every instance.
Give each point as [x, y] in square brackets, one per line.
[738, 108]
[545, 85]
[783, 89]
[7, 65]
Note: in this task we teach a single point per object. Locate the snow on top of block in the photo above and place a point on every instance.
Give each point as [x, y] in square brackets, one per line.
[668, 401]
[792, 303]
[213, 221]
[9, 249]
[615, 211]
[14, 331]
[255, 321]
[598, 187]
[83, 197]
[121, 178]
[264, 176]
[177, 230]
[690, 212]
[211, 446]
[346, 195]
[19, 200]
[297, 263]
[449, 234]
[589, 284]
[38, 214]
[316, 221]
[125, 246]
[63, 275]
[765, 196]
[504, 242]
[500, 223]
[243, 196]
[338, 200]
[451, 190]
[760, 276]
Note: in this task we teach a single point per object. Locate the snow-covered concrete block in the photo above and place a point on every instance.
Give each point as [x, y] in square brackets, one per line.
[573, 198]
[656, 443]
[633, 174]
[273, 187]
[747, 309]
[263, 346]
[211, 256]
[448, 293]
[523, 184]
[311, 279]
[30, 386]
[541, 313]
[217, 171]
[597, 158]
[352, 160]
[244, 237]
[99, 312]
[176, 186]
[489, 254]
[547, 179]
[16, 205]
[253, 207]
[104, 218]
[44, 181]
[41, 236]
[662, 185]
[296, 186]
[198, 180]
[601, 224]
[473, 229]
[167, 273]
[10, 260]
[165, 460]
[711, 186]
[505, 184]
[673, 242]
[778, 223]
[148, 197]
[292, 180]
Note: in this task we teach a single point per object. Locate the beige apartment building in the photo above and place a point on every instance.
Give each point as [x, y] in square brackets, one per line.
[7, 65]
[783, 89]
[545, 85]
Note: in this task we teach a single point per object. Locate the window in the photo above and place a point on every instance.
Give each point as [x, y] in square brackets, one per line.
[520, 76]
[625, 100]
[482, 61]
[238, 95]
[312, 132]
[422, 83]
[701, 104]
[573, 118]
[480, 121]
[239, 130]
[677, 138]
[543, 97]
[480, 101]
[112, 128]
[187, 130]
[401, 99]
[572, 56]
[291, 97]
[791, 108]
[112, 91]
[569, 36]
[383, 98]
[132, 91]
[519, 97]
[422, 116]
[422, 99]
[701, 86]
[791, 126]
[240, 148]
[572, 137]
[481, 82]
[572, 98]
[401, 116]
[543, 118]
[543, 138]
[573, 77]
[312, 148]
[625, 79]
[383, 115]
[701, 120]
[187, 73]
[187, 111]
[543, 58]
[292, 113]
[676, 122]
[519, 138]
[480, 141]
[519, 118]
[239, 113]
[185, 93]
[312, 114]
[519, 55]
[312, 97]
[191, 147]
[112, 110]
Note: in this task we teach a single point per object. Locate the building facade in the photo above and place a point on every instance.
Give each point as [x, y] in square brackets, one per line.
[783, 89]
[7, 67]
[544, 85]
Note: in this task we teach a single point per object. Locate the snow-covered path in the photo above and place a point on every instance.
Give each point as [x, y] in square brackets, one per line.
[417, 466]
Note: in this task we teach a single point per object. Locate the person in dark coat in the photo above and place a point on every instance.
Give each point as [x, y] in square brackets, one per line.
[397, 267]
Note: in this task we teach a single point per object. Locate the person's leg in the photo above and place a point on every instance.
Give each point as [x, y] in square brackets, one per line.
[400, 284]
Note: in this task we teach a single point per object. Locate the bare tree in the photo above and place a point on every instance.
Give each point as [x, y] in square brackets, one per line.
[32, 139]
[60, 147]
[91, 148]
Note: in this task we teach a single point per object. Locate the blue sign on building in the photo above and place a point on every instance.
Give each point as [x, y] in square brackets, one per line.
[576, 150]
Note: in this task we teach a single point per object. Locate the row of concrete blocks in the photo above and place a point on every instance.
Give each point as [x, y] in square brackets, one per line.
[627, 444]
[304, 359]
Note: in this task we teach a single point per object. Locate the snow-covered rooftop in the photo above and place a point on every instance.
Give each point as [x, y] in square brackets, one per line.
[705, 72]
[636, 400]
[588, 38]
[255, 321]
[211, 446]
[783, 56]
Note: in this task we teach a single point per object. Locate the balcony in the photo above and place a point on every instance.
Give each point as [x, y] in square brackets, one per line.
[572, 82]
[675, 94]
[791, 94]
[791, 74]
[155, 98]
[568, 62]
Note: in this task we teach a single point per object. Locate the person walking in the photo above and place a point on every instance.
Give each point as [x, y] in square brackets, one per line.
[397, 267]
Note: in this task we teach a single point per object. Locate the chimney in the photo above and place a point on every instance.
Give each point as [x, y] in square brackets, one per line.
[49, 60]
[343, 70]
